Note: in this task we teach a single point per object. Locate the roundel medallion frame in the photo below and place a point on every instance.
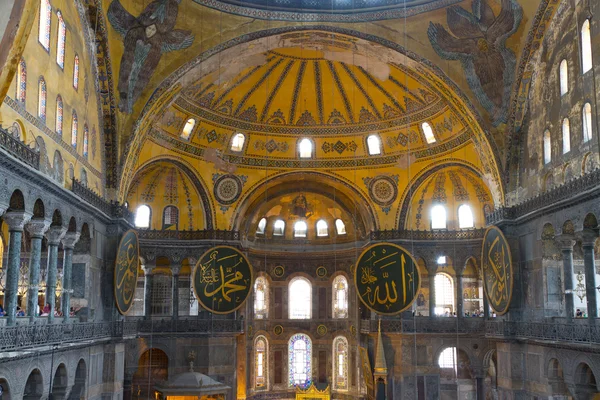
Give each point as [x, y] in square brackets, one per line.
[250, 286]
[221, 182]
[486, 246]
[415, 270]
[390, 185]
[123, 268]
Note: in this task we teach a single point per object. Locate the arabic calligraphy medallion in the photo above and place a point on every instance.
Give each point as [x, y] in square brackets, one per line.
[126, 271]
[222, 279]
[387, 278]
[496, 265]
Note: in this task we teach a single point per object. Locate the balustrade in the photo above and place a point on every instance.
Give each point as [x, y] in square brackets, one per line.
[19, 149]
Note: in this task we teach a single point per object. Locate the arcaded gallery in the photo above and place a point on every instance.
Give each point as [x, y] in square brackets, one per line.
[299, 199]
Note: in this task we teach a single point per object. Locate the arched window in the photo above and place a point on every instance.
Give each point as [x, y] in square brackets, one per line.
[21, 81]
[300, 229]
[278, 228]
[438, 217]
[188, 128]
[42, 96]
[340, 363]
[564, 77]
[237, 142]
[305, 148]
[465, 217]
[86, 138]
[587, 122]
[444, 294]
[261, 360]
[340, 227]
[76, 72]
[83, 177]
[447, 358]
[59, 115]
[62, 39]
[261, 293]
[44, 27]
[566, 135]
[586, 47]
[142, 217]
[374, 145]
[441, 260]
[428, 132]
[170, 218]
[300, 298]
[262, 225]
[74, 128]
[322, 229]
[300, 359]
[547, 147]
[340, 297]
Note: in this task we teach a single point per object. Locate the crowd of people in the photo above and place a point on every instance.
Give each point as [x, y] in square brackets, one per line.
[42, 312]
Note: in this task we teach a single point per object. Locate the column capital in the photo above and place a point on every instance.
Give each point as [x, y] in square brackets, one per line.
[565, 242]
[37, 227]
[69, 239]
[16, 220]
[588, 237]
[175, 269]
[148, 268]
[55, 234]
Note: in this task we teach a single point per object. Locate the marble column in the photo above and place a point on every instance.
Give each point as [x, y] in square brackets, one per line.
[15, 220]
[588, 241]
[432, 270]
[68, 245]
[37, 227]
[486, 306]
[148, 267]
[459, 295]
[175, 290]
[54, 236]
[566, 247]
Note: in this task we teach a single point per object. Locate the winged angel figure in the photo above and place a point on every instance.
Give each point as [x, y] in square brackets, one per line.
[478, 41]
[146, 38]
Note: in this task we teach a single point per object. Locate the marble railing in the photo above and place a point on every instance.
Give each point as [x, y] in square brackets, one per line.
[425, 325]
[19, 149]
[580, 331]
[207, 234]
[110, 208]
[463, 234]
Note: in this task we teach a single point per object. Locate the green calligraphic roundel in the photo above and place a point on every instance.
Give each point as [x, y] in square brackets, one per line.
[387, 278]
[496, 265]
[222, 279]
[126, 271]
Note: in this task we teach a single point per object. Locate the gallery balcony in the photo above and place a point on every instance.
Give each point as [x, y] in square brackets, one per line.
[425, 325]
[182, 327]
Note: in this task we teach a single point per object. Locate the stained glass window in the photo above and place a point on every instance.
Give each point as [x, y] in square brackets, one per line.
[261, 362]
[42, 95]
[300, 360]
[170, 217]
[340, 361]
[261, 298]
[86, 138]
[300, 294]
[340, 297]
[45, 21]
[444, 294]
[62, 39]
[74, 126]
[22, 81]
[76, 72]
[59, 115]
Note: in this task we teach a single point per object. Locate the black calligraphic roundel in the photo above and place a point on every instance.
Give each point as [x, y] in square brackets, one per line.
[496, 265]
[387, 278]
[126, 270]
[222, 279]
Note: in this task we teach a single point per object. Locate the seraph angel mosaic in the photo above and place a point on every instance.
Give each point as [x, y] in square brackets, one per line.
[478, 41]
[146, 38]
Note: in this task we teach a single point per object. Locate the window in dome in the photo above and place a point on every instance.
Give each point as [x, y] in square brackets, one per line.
[322, 229]
[305, 148]
[21, 82]
[300, 229]
[374, 145]
[42, 95]
[438, 217]
[300, 303]
[261, 301]
[586, 47]
[465, 217]
[170, 218]
[300, 360]
[74, 127]
[340, 227]
[142, 217]
[340, 367]
[76, 72]
[428, 132]
[566, 134]
[340, 297]
[86, 138]
[62, 39]
[564, 77]
[441, 260]
[188, 128]
[45, 21]
[278, 228]
[587, 122]
[447, 358]
[262, 225]
[59, 115]
[547, 147]
[237, 143]
[261, 361]
[444, 294]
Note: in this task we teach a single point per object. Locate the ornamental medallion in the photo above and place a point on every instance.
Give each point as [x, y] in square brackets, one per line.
[387, 278]
[496, 265]
[222, 279]
[126, 270]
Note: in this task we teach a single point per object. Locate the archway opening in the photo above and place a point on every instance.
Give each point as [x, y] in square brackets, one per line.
[34, 387]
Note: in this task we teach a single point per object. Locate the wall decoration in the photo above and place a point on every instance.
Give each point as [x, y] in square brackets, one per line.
[321, 272]
[146, 38]
[367, 372]
[278, 271]
[339, 147]
[478, 41]
[271, 146]
[228, 188]
[278, 330]
[496, 266]
[300, 207]
[383, 190]
[387, 278]
[126, 271]
[321, 330]
[222, 279]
